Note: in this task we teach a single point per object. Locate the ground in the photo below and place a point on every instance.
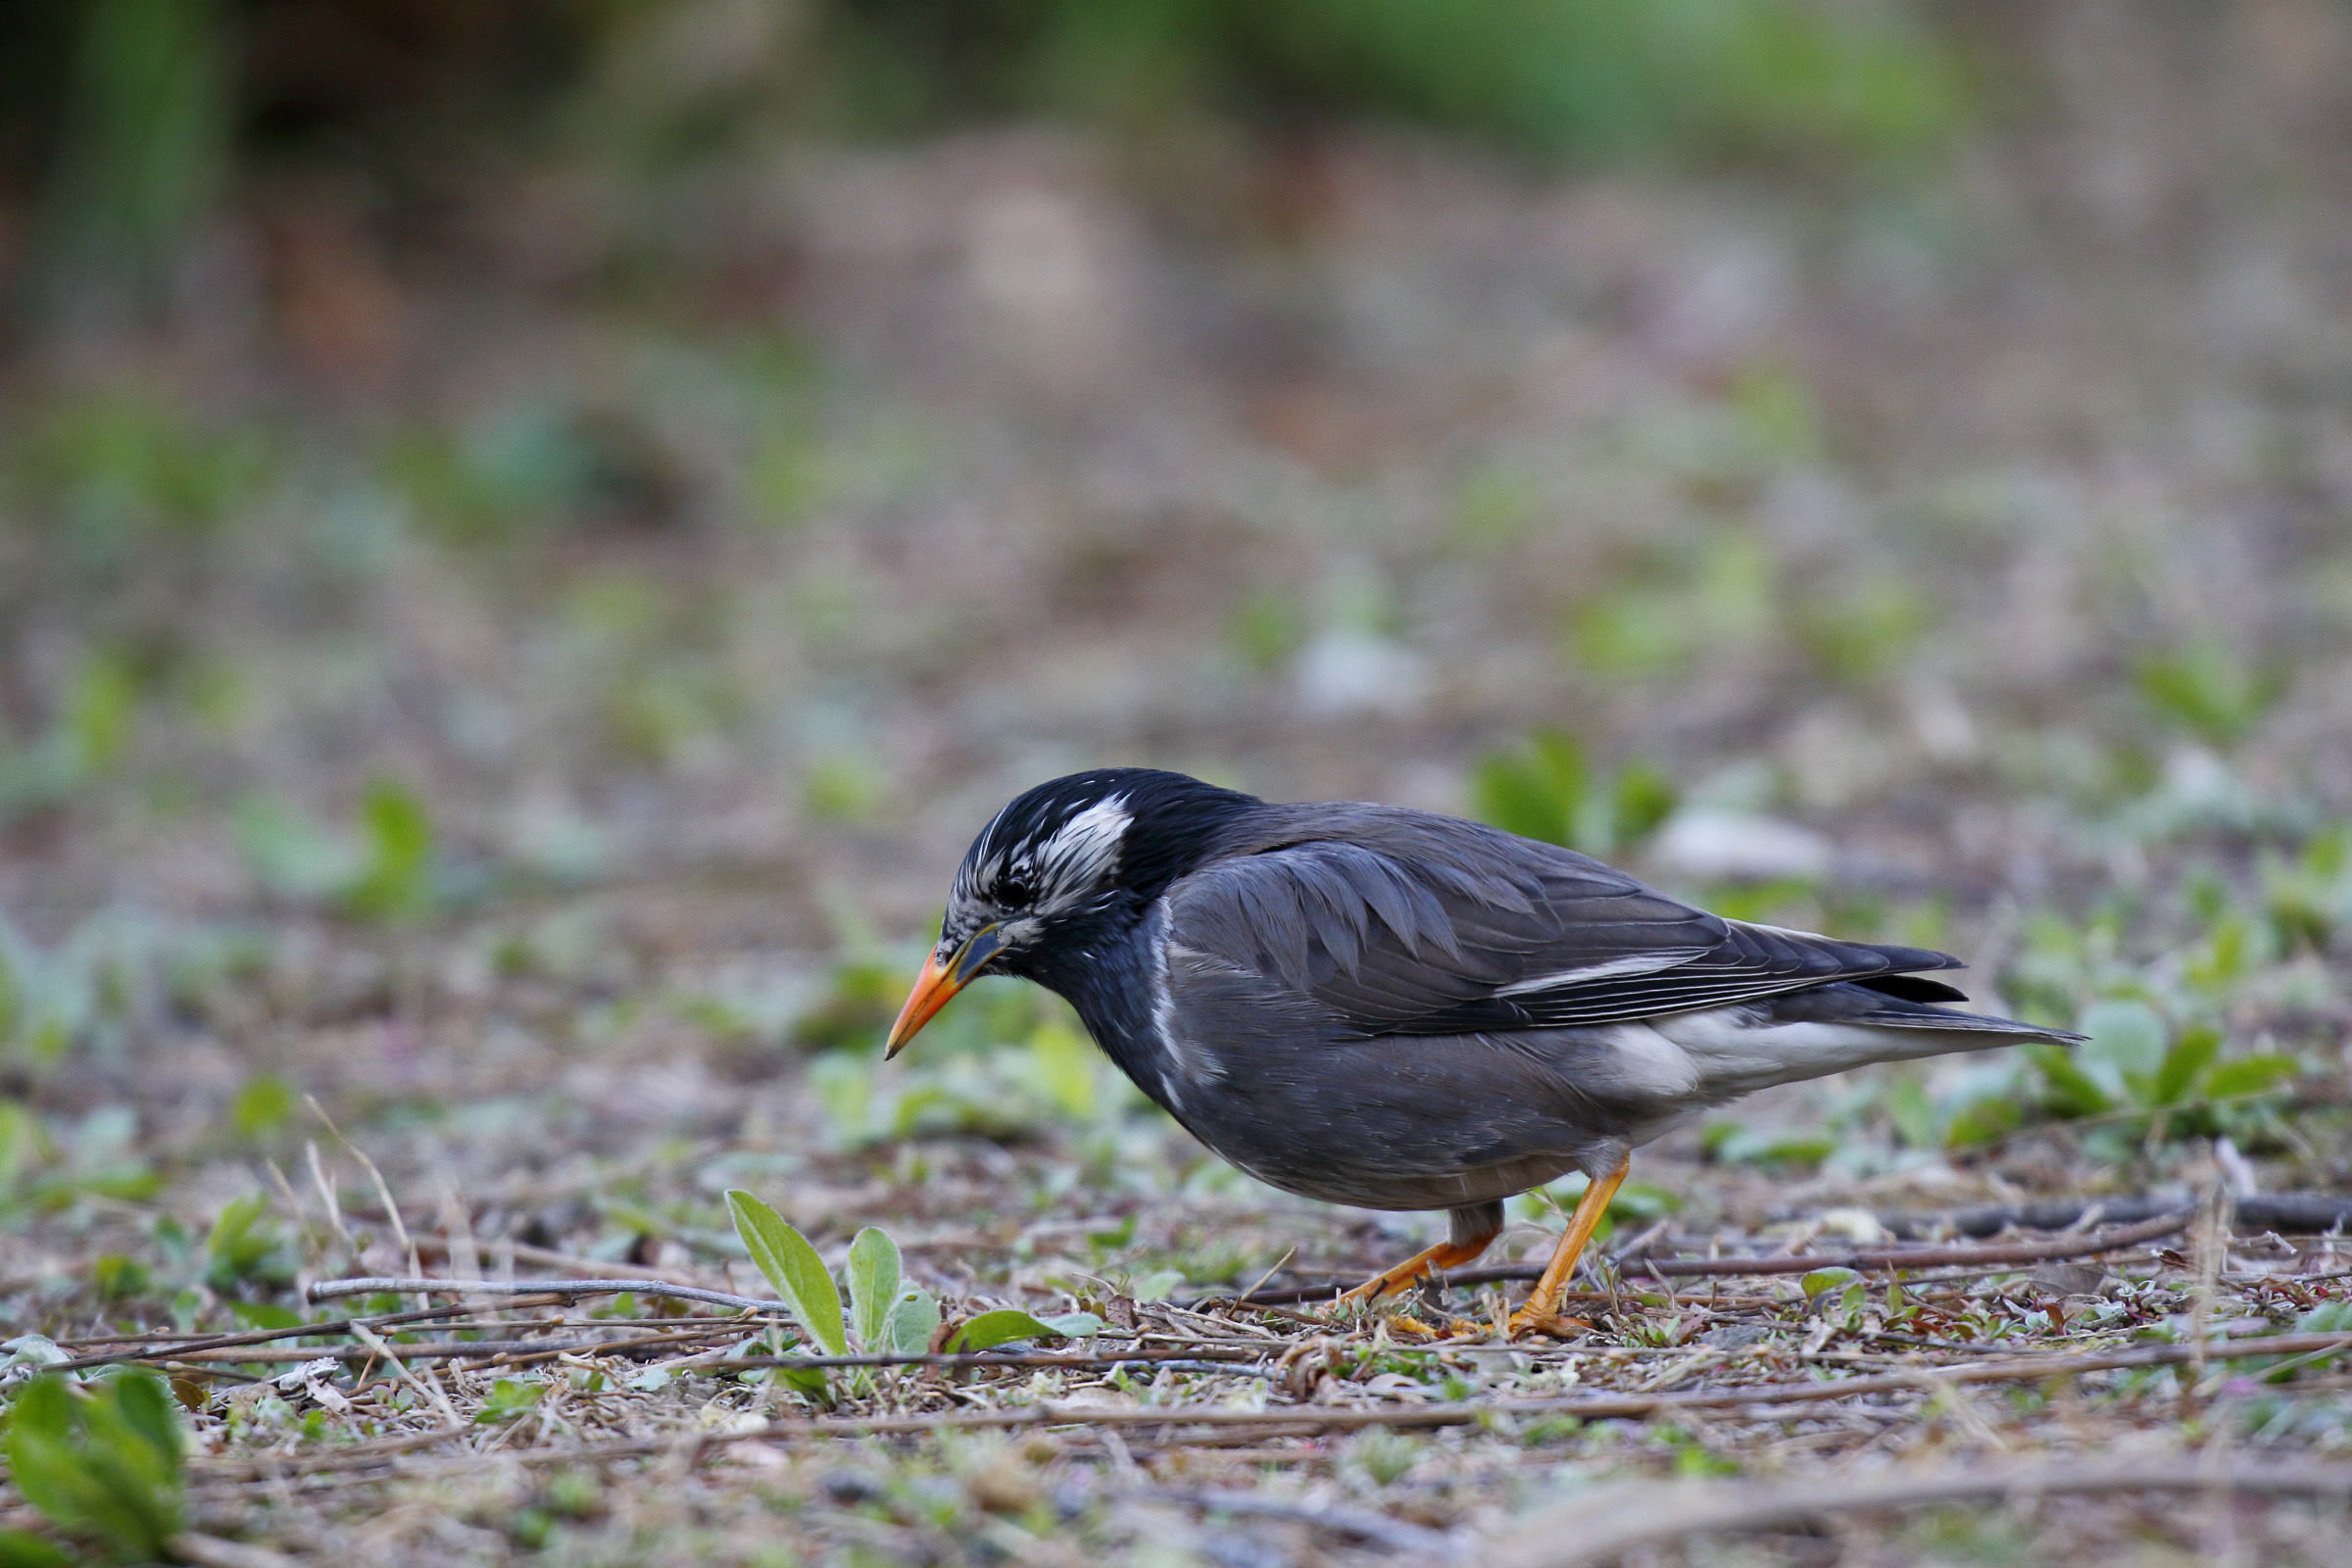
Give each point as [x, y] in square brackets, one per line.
[479, 772]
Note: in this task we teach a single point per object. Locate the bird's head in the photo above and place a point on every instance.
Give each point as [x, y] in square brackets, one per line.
[1067, 865]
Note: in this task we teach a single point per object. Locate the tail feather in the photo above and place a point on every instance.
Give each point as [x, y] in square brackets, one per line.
[1920, 1015]
[1811, 1034]
[1871, 1003]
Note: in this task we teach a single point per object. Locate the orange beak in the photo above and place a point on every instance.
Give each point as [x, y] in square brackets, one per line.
[937, 984]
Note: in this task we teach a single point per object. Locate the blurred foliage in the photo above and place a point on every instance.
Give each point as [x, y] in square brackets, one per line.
[245, 1249]
[386, 870]
[143, 109]
[142, 146]
[2208, 690]
[1594, 78]
[88, 736]
[1021, 1085]
[1867, 631]
[1546, 790]
[1685, 597]
[101, 1462]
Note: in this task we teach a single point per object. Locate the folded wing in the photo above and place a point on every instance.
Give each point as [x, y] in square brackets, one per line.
[1405, 923]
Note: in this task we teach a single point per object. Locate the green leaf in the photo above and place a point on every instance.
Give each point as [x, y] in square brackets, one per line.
[2126, 1048]
[1063, 1063]
[33, 1350]
[1002, 1326]
[1913, 1113]
[140, 1413]
[2067, 1090]
[1074, 1325]
[261, 1105]
[912, 1322]
[1981, 1121]
[873, 1285]
[1156, 1286]
[243, 1245]
[266, 1315]
[2248, 1075]
[1532, 792]
[1826, 1278]
[102, 1464]
[1644, 797]
[21, 1550]
[793, 1269]
[2184, 1063]
[809, 1382]
[396, 882]
[2209, 690]
[290, 854]
[101, 713]
[508, 1399]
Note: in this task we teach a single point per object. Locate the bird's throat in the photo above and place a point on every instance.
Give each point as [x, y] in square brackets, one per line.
[1114, 984]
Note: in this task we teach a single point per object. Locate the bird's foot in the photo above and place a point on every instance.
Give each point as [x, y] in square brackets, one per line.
[1461, 1327]
[1528, 1321]
[1393, 1282]
[1418, 1267]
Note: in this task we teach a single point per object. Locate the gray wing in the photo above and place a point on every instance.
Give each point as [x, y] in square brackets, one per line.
[1409, 923]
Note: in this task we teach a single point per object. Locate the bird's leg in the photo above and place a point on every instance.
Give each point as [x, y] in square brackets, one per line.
[1475, 1228]
[1544, 1301]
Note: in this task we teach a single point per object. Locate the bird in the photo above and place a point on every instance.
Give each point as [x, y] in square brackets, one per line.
[1396, 1010]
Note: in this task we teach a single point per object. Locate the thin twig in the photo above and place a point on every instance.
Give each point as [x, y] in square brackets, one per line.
[550, 1257]
[383, 1188]
[451, 1350]
[1907, 1257]
[566, 1290]
[430, 1392]
[1603, 1527]
[1900, 1258]
[300, 1331]
[539, 1350]
[2312, 1214]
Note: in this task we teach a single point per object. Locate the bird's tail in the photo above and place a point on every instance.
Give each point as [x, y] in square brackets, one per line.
[1810, 1033]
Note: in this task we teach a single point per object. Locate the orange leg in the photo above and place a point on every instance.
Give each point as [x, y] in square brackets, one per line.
[1545, 1298]
[1446, 1254]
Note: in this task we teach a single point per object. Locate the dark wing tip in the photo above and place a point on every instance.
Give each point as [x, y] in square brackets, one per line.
[1906, 960]
[1910, 988]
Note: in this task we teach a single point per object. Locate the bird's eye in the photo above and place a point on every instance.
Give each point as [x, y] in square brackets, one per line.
[1014, 893]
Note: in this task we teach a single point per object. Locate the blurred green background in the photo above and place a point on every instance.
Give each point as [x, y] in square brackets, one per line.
[531, 533]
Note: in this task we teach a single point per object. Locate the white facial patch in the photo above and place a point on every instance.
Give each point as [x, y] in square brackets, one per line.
[1082, 853]
[1022, 883]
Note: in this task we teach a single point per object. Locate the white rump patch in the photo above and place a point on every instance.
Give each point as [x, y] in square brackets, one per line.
[1730, 1052]
[1651, 1064]
[1637, 964]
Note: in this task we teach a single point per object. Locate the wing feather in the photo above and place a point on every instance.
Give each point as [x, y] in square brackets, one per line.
[1414, 924]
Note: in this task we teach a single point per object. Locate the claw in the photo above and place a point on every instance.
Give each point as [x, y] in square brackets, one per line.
[1552, 1325]
[1461, 1327]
